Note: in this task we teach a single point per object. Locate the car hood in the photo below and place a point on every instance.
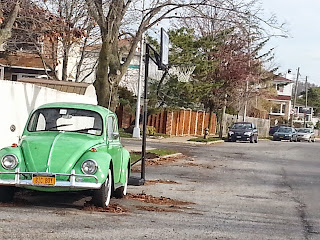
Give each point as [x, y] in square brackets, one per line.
[240, 130]
[303, 134]
[283, 133]
[55, 152]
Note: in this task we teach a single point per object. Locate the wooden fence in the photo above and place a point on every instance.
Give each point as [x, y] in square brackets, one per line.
[183, 122]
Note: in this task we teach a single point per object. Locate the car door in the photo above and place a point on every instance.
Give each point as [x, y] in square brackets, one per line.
[114, 146]
[255, 131]
[294, 134]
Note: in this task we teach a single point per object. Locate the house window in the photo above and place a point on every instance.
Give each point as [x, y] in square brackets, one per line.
[279, 108]
[14, 77]
[1, 73]
[280, 88]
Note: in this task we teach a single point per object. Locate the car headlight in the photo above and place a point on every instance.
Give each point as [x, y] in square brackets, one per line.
[230, 132]
[248, 133]
[9, 162]
[89, 166]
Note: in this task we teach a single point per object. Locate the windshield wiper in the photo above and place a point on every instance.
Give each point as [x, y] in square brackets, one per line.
[86, 129]
[61, 125]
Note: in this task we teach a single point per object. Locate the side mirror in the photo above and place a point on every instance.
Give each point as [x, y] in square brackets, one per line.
[115, 135]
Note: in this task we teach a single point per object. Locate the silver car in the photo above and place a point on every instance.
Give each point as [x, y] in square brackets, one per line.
[305, 134]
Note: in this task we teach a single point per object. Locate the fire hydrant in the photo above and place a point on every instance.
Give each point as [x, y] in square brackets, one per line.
[206, 133]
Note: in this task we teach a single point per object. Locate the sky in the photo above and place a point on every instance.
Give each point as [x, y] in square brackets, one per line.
[302, 47]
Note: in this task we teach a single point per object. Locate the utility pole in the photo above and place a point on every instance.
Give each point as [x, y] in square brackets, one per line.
[306, 106]
[295, 96]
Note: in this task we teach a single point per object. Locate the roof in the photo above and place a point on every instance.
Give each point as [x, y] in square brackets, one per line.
[22, 59]
[103, 111]
[282, 97]
[63, 86]
[282, 79]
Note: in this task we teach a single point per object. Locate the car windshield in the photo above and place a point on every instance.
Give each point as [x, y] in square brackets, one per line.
[304, 130]
[66, 119]
[241, 126]
[284, 130]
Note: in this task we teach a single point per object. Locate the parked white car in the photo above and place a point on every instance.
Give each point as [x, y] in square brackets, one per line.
[305, 134]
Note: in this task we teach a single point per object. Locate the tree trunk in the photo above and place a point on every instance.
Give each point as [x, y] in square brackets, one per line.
[5, 31]
[108, 76]
[65, 63]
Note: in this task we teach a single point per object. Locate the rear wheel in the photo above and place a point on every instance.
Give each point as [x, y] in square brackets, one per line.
[102, 196]
[6, 194]
[122, 191]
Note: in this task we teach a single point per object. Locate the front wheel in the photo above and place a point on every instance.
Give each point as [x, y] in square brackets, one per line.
[102, 196]
[6, 194]
[122, 191]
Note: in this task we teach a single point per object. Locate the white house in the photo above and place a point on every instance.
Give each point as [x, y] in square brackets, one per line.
[282, 106]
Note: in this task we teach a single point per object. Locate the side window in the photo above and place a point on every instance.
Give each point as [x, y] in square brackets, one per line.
[111, 127]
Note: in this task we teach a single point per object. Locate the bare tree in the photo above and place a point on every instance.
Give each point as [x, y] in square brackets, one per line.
[8, 13]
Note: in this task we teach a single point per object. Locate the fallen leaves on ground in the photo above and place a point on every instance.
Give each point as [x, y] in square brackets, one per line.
[153, 182]
[112, 208]
[155, 200]
[156, 209]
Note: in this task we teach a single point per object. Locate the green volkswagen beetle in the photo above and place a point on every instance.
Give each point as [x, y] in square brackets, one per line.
[67, 147]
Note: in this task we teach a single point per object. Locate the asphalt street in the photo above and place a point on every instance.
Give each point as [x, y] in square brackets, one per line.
[268, 190]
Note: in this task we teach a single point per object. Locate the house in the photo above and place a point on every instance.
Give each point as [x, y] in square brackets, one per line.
[21, 65]
[303, 116]
[281, 103]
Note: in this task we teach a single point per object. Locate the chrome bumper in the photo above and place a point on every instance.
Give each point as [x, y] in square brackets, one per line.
[71, 183]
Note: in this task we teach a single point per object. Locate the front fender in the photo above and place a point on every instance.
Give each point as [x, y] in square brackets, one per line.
[125, 165]
[103, 160]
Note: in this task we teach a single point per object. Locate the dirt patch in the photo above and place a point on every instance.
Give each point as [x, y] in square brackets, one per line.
[156, 209]
[156, 200]
[15, 203]
[112, 208]
[153, 182]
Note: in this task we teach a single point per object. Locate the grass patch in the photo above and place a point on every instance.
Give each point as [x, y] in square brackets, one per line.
[135, 156]
[162, 152]
[124, 134]
[201, 139]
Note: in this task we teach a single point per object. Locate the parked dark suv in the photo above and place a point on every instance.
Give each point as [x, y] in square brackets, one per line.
[243, 131]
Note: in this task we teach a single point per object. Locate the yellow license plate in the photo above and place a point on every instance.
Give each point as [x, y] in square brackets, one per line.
[41, 180]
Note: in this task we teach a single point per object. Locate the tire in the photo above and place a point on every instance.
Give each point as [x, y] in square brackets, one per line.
[6, 194]
[102, 196]
[122, 191]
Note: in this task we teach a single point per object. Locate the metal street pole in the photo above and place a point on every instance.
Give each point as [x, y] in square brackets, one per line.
[306, 106]
[145, 114]
[136, 129]
[295, 96]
